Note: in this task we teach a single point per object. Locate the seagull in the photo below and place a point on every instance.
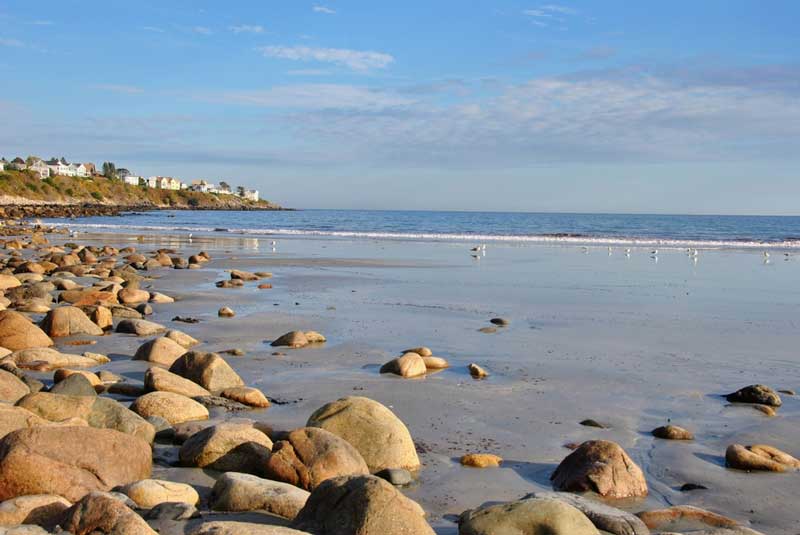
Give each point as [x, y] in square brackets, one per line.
[766, 254]
[273, 243]
[585, 249]
[476, 249]
[654, 252]
[609, 251]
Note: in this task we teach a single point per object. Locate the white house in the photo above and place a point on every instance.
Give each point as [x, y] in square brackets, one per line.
[78, 169]
[166, 182]
[250, 195]
[3, 163]
[60, 167]
[202, 186]
[18, 164]
[152, 182]
[132, 180]
[40, 168]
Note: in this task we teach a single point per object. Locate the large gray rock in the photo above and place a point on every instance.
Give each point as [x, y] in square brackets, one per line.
[532, 516]
[228, 448]
[603, 516]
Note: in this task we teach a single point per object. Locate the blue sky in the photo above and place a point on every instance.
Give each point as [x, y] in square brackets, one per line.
[604, 106]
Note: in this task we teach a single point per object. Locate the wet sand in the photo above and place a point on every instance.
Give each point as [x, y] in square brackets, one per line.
[629, 342]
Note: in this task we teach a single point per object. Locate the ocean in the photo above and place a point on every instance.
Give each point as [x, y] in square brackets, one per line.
[709, 231]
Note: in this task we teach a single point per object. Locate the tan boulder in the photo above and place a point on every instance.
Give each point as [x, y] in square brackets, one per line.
[98, 513]
[477, 372]
[435, 363]
[70, 461]
[209, 370]
[381, 438]
[8, 281]
[161, 380]
[760, 394]
[174, 408]
[159, 298]
[603, 467]
[666, 519]
[222, 527]
[88, 297]
[49, 359]
[292, 339]
[163, 351]
[69, 321]
[672, 432]
[408, 365]
[139, 327]
[422, 351]
[314, 337]
[181, 338]
[133, 296]
[308, 456]
[364, 505]
[148, 493]
[40, 509]
[17, 332]
[246, 395]
[481, 460]
[102, 317]
[759, 457]
[238, 492]
[12, 389]
[13, 418]
[227, 447]
[531, 516]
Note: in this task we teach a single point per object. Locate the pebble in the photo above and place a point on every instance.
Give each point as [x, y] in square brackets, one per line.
[477, 372]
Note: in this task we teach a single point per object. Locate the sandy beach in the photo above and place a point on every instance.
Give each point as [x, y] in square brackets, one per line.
[630, 342]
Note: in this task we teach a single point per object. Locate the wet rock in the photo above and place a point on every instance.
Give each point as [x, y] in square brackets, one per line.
[209, 370]
[148, 493]
[592, 423]
[12, 389]
[227, 448]
[308, 456]
[600, 466]
[760, 394]
[603, 516]
[174, 408]
[381, 438]
[532, 516]
[139, 327]
[408, 365]
[500, 322]
[74, 385]
[226, 312]
[396, 476]
[487, 330]
[677, 517]
[98, 513]
[17, 332]
[435, 363]
[246, 395]
[477, 372]
[69, 321]
[265, 286]
[759, 457]
[43, 510]
[672, 432]
[181, 338]
[481, 460]
[159, 379]
[293, 339]
[237, 492]
[163, 351]
[70, 461]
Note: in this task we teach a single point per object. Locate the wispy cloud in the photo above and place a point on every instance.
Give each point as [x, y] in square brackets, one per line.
[564, 10]
[324, 9]
[357, 60]
[118, 88]
[202, 30]
[153, 29]
[308, 72]
[15, 43]
[317, 97]
[548, 14]
[247, 28]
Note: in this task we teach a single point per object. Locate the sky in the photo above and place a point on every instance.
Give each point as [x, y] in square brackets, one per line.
[576, 106]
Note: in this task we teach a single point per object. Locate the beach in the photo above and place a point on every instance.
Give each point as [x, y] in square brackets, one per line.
[632, 342]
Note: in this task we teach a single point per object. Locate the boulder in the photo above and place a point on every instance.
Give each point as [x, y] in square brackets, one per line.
[481, 460]
[242, 528]
[435, 363]
[174, 408]
[381, 438]
[163, 351]
[209, 370]
[246, 395]
[69, 321]
[161, 299]
[89, 297]
[679, 516]
[8, 281]
[603, 516]
[63, 373]
[74, 385]
[477, 372]
[139, 327]
[226, 312]
[159, 379]
[12, 389]
[98, 514]
[243, 275]
[181, 338]
[102, 317]
[672, 432]
[70, 461]
[98, 412]
[603, 467]
[148, 493]
[133, 296]
[310, 455]
[531, 516]
[314, 337]
[47, 358]
[760, 394]
[361, 505]
[227, 447]
[408, 365]
[293, 339]
[237, 492]
[13, 418]
[43, 510]
[759, 457]
[17, 332]
[422, 351]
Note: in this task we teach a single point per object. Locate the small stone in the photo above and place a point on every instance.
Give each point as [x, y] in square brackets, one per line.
[688, 487]
[265, 286]
[481, 460]
[592, 423]
[408, 366]
[501, 322]
[760, 394]
[487, 330]
[672, 432]
[293, 339]
[226, 312]
[477, 372]
[396, 476]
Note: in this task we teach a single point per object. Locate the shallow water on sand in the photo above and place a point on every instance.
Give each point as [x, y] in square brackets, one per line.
[629, 341]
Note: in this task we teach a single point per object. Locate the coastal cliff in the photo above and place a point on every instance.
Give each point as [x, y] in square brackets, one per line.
[24, 194]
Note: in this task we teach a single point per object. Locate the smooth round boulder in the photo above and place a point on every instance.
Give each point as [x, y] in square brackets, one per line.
[148, 493]
[759, 457]
[209, 370]
[532, 516]
[672, 432]
[161, 380]
[98, 513]
[407, 366]
[46, 358]
[12, 389]
[246, 395]
[292, 339]
[43, 510]
[181, 338]
[133, 296]
[18, 332]
[378, 435]
[227, 447]
[173, 407]
[361, 505]
[763, 395]
[603, 467]
[238, 492]
[310, 455]
[481, 460]
[139, 327]
[222, 527]
[163, 351]
[69, 321]
[70, 461]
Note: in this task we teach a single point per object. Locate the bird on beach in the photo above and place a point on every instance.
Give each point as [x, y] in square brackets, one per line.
[585, 250]
[654, 252]
[73, 234]
[766, 254]
[273, 243]
[609, 251]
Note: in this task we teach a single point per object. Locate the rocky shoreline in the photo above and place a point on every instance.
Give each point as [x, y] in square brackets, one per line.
[70, 211]
[78, 443]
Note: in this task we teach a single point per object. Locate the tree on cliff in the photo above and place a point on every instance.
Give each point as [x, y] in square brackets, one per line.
[109, 170]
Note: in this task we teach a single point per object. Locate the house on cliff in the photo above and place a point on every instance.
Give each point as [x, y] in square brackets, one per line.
[40, 168]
